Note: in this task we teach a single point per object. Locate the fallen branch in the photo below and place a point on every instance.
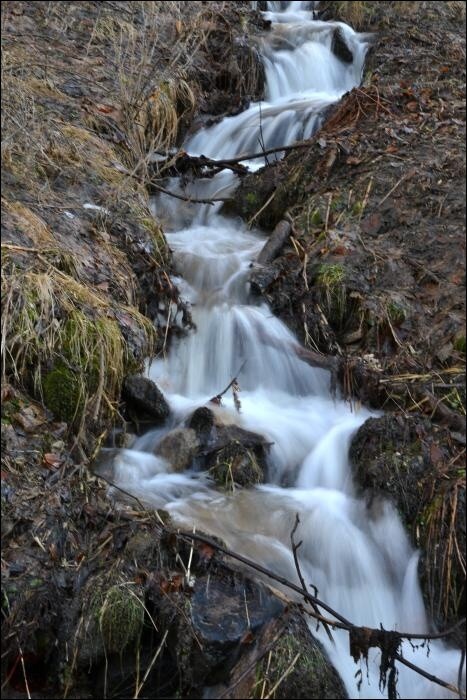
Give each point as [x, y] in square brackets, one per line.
[199, 166]
[248, 156]
[443, 413]
[157, 188]
[372, 635]
[275, 242]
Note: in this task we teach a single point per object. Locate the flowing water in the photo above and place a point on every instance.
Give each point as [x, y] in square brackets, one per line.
[359, 559]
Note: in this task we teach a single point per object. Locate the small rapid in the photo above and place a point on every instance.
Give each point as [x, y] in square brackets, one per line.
[359, 558]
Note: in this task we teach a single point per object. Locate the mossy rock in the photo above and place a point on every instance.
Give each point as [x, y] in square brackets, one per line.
[298, 667]
[63, 392]
[121, 618]
[114, 617]
[236, 464]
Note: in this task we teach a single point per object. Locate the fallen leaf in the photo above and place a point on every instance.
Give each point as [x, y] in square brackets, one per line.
[412, 106]
[51, 460]
[105, 109]
[436, 454]
[247, 638]
[206, 552]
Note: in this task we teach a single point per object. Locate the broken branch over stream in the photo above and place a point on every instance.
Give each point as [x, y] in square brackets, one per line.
[361, 638]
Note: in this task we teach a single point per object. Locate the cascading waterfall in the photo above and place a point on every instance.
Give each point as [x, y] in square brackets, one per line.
[360, 561]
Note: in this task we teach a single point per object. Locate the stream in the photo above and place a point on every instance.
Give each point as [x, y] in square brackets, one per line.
[359, 558]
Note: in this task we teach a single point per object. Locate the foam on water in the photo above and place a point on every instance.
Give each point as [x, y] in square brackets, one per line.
[358, 557]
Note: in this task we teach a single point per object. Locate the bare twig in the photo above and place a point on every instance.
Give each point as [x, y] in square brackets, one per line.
[217, 398]
[300, 575]
[149, 668]
[340, 622]
[192, 200]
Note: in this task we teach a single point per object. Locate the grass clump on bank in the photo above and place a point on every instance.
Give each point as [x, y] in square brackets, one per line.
[63, 338]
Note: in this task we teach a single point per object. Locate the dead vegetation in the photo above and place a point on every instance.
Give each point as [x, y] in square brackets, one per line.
[85, 270]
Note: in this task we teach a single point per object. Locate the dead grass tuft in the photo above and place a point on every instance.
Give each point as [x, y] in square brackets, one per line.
[64, 336]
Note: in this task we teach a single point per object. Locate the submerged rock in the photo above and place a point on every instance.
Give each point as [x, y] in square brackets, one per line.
[179, 448]
[340, 48]
[145, 399]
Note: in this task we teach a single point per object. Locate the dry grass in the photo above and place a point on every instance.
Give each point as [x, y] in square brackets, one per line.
[64, 336]
[445, 559]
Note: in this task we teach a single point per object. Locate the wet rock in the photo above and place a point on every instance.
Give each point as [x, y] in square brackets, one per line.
[145, 399]
[202, 421]
[340, 48]
[235, 456]
[235, 464]
[231, 454]
[179, 448]
[410, 461]
[312, 675]
[229, 614]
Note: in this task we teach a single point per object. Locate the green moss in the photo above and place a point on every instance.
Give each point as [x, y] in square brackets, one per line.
[357, 209]
[235, 464]
[297, 669]
[121, 617]
[64, 393]
[459, 344]
[396, 313]
[330, 275]
[252, 198]
[316, 219]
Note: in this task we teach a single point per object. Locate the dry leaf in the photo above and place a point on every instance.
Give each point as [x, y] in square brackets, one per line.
[51, 460]
[206, 552]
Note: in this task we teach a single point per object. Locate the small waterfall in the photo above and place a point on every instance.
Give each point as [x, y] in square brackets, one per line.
[361, 562]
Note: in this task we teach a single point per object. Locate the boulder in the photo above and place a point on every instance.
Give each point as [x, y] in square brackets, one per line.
[340, 48]
[145, 399]
[179, 447]
[231, 454]
[415, 464]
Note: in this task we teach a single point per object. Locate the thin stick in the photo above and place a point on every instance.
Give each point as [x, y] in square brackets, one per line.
[219, 396]
[404, 177]
[300, 575]
[284, 675]
[427, 675]
[267, 202]
[187, 199]
[341, 622]
[459, 674]
[149, 669]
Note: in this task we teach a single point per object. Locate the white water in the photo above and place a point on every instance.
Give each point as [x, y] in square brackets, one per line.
[360, 561]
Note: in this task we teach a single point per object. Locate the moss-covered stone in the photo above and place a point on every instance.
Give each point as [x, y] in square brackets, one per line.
[121, 617]
[63, 393]
[236, 464]
[297, 668]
